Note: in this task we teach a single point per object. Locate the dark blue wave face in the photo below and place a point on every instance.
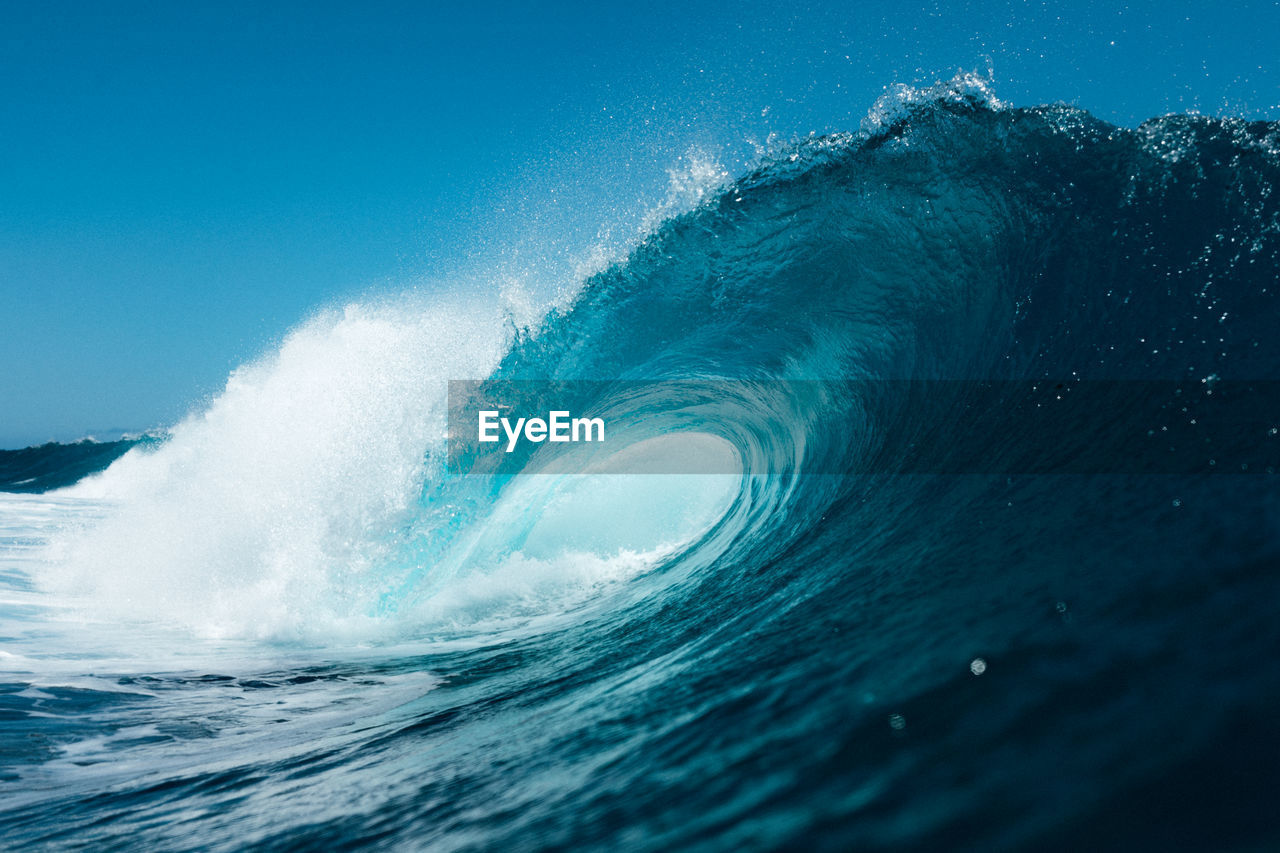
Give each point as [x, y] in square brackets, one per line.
[825, 692]
[53, 466]
[878, 661]
[958, 242]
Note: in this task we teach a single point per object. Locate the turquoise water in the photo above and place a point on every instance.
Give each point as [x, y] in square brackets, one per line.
[289, 624]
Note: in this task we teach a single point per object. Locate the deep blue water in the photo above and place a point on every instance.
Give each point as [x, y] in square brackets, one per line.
[290, 626]
[53, 465]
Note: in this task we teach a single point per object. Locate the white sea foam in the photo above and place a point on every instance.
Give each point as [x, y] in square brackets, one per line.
[285, 510]
[270, 511]
[898, 99]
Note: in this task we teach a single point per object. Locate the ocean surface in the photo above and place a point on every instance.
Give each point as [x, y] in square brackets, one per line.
[291, 625]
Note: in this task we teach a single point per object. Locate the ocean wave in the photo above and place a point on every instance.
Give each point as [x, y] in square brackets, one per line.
[621, 638]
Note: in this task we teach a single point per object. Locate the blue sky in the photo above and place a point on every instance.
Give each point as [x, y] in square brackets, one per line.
[180, 183]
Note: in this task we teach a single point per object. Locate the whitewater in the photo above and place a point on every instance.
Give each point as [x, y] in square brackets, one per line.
[290, 623]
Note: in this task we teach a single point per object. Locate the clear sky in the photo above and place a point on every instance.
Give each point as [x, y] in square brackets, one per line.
[180, 183]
